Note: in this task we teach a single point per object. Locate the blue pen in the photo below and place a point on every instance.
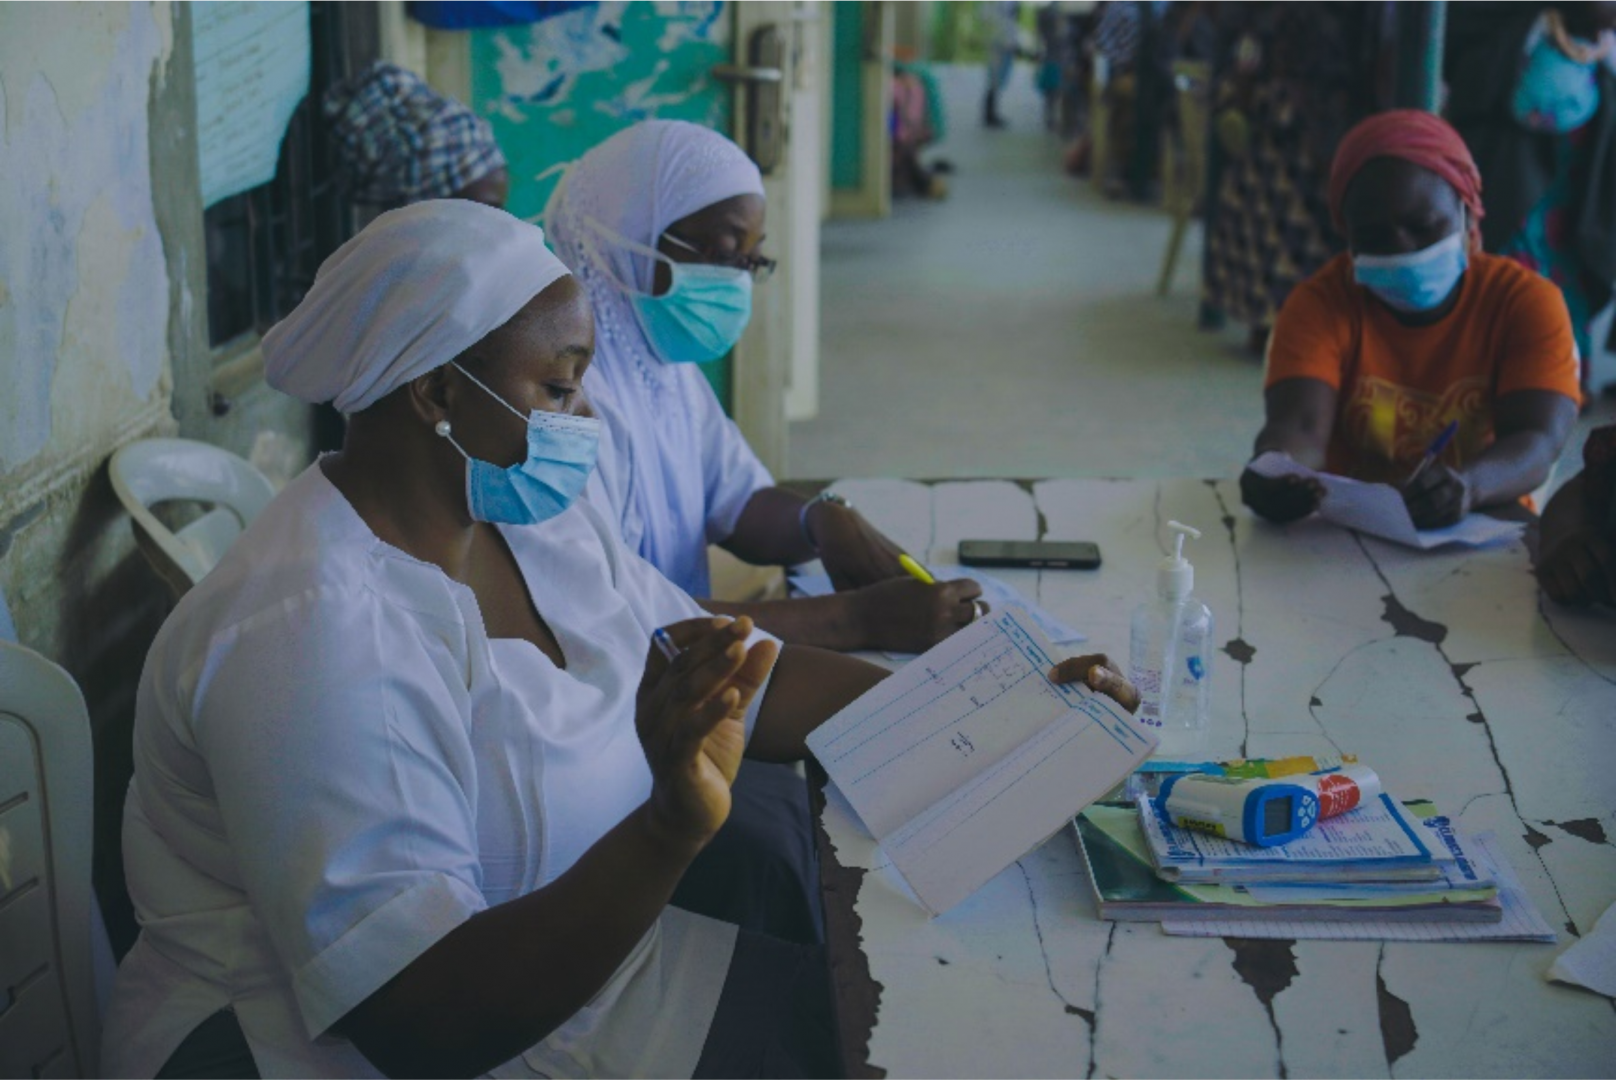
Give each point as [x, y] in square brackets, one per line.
[665, 644]
[1438, 444]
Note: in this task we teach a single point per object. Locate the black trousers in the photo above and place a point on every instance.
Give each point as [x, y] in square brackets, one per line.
[760, 871]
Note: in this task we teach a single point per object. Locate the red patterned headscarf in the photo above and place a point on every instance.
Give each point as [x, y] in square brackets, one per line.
[1422, 138]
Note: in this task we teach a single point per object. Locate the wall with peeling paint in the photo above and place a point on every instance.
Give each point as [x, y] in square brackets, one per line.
[84, 297]
[103, 341]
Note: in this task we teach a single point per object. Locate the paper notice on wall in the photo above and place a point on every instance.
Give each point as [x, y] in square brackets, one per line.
[252, 70]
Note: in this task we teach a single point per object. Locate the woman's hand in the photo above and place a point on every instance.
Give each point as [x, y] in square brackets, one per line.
[1580, 569]
[854, 552]
[1280, 499]
[1438, 497]
[1098, 673]
[906, 615]
[691, 719]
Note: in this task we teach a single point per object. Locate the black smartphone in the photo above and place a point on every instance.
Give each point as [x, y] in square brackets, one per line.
[1039, 554]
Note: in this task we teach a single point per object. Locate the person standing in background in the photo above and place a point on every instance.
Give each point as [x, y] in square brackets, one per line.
[1000, 20]
[1292, 79]
[1051, 62]
[1545, 140]
[1117, 36]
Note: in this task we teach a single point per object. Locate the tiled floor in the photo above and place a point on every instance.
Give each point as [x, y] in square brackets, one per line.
[1013, 329]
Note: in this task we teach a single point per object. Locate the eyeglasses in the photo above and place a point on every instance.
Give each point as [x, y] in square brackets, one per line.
[759, 266]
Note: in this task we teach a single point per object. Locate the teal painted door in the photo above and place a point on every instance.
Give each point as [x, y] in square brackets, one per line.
[555, 88]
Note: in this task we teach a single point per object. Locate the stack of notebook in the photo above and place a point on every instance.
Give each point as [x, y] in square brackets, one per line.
[1383, 861]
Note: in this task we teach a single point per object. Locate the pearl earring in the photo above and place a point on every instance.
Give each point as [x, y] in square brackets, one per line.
[442, 428]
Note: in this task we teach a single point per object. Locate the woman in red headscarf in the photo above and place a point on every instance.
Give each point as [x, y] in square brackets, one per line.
[1411, 330]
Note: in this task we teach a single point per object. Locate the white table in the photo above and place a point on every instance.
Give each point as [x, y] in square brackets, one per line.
[1443, 671]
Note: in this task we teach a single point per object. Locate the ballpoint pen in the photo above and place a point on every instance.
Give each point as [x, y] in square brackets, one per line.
[1438, 444]
[664, 644]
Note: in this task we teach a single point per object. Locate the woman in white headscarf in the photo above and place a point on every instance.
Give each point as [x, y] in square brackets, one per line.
[411, 787]
[662, 223]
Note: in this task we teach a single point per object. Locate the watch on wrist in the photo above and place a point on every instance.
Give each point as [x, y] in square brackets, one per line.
[826, 496]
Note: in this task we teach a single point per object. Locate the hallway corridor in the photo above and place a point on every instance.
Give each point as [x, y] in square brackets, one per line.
[1013, 329]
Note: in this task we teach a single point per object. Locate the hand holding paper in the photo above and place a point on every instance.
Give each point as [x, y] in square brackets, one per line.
[969, 756]
[1379, 510]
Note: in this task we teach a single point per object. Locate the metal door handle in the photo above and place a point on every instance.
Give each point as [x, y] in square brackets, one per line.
[742, 73]
[761, 81]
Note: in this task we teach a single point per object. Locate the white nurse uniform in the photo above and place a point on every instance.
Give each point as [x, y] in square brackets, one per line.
[335, 767]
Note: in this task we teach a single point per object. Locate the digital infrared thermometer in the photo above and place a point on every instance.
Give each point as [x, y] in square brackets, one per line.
[1261, 811]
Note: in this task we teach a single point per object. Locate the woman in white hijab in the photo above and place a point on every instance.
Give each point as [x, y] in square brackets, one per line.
[662, 224]
[412, 788]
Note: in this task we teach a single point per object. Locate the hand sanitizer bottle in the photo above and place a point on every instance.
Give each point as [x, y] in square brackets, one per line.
[1170, 655]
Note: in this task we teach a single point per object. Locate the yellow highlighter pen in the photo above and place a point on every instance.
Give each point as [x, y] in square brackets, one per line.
[916, 571]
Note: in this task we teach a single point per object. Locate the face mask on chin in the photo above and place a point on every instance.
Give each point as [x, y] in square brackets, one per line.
[1418, 281]
[561, 452]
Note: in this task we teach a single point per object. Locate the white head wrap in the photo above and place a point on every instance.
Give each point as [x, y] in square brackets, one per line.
[636, 184]
[680, 472]
[415, 289]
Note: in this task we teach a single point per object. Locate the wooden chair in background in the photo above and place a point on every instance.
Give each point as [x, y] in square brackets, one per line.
[1184, 156]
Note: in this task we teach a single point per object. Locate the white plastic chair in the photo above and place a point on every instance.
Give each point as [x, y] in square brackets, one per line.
[153, 471]
[49, 1020]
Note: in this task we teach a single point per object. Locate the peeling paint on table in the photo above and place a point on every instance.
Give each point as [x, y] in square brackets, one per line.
[1443, 670]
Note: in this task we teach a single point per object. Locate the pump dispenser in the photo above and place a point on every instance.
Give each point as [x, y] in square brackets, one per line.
[1170, 654]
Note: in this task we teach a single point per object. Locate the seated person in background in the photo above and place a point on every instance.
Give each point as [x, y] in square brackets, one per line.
[1576, 561]
[912, 132]
[1412, 328]
[662, 223]
[400, 141]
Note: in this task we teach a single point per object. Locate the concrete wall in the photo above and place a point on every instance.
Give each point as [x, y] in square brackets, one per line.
[103, 340]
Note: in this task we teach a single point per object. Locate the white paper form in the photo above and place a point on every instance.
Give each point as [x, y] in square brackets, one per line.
[1379, 510]
[1521, 921]
[1591, 961]
[968, 757]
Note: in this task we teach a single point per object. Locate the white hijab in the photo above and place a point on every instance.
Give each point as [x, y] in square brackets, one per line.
[677, 472]
[415, 289]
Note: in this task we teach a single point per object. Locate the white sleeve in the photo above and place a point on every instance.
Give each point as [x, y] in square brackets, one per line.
[336, 740]
[731, 472]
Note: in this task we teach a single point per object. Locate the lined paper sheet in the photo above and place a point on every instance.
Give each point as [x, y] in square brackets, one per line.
[1521, 920]
[1379, 510]
[968, 757]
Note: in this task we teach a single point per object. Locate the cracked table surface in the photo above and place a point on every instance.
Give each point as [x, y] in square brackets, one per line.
[1444, 671]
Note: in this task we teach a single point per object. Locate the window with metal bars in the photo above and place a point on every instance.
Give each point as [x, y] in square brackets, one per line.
[264, 245]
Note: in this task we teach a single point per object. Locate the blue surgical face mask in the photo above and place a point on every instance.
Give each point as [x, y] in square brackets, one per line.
[1418, 281]
[700, 317]
[560, 456]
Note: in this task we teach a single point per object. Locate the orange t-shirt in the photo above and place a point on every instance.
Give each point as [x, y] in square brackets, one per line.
[1398, 386]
